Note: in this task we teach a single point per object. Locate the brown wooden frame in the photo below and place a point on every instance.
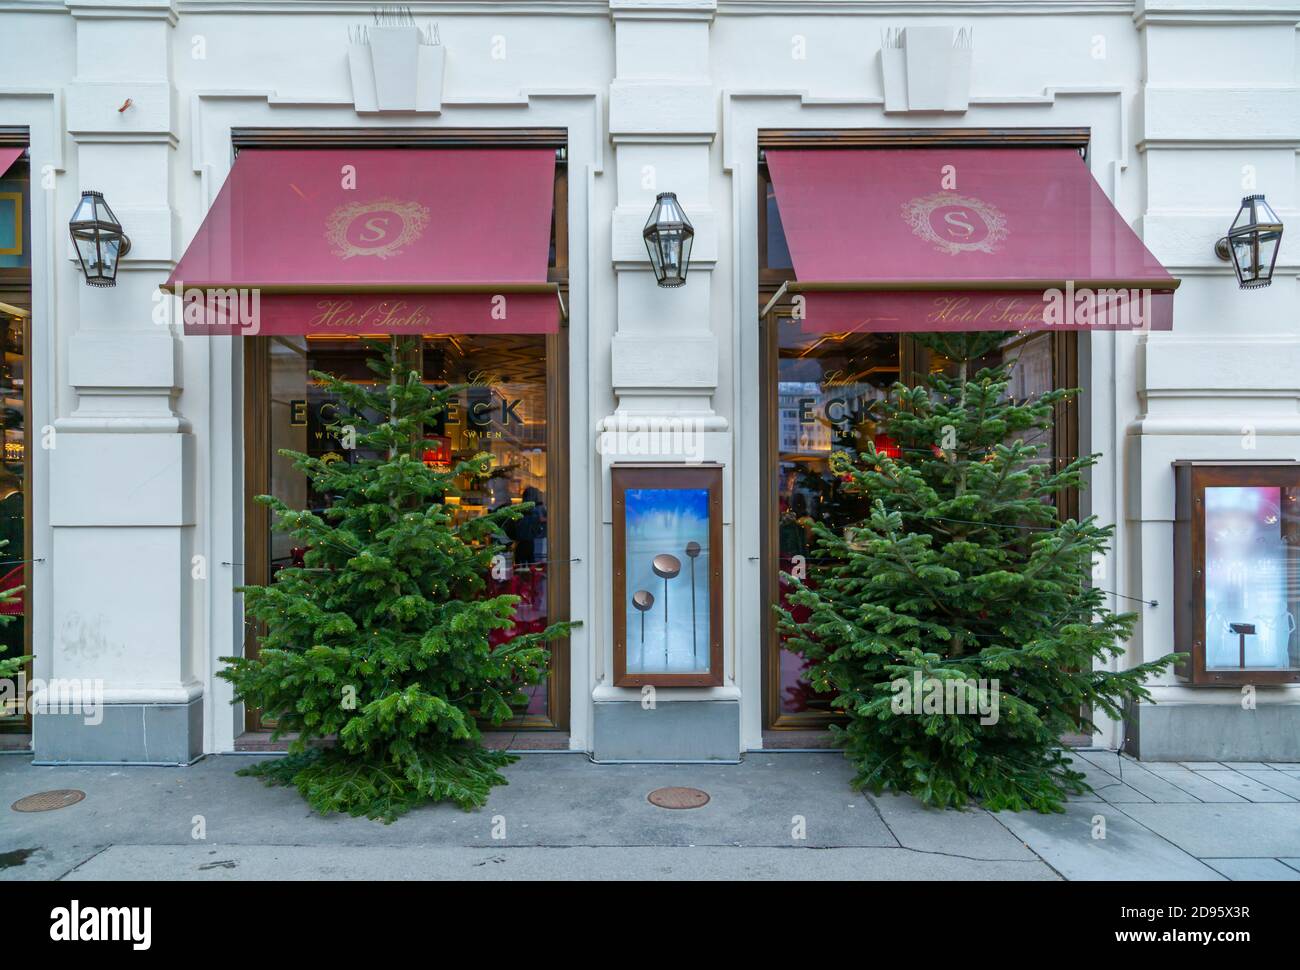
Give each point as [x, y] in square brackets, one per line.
[16, 289]
[1061, 137]
[273, 137]
[666, 476]
[913, 359]
[256, 361]
[1191, 478]
[16, 279]
[28, 532]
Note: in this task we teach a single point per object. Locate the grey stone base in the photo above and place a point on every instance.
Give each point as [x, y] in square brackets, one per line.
[1214, 732]
[156, 734]
[672, 731]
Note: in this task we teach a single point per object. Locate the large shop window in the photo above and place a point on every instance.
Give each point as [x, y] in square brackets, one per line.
[819, 391]
[820, 379]
[508, 407]
[15, 407]
[423, 244]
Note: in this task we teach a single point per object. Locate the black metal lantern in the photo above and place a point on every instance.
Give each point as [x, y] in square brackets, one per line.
[99, 239]
[668, 237]
[1252, 243]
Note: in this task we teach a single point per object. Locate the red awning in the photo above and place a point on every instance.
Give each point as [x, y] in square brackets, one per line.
[375, 241]
[920, 239]
[8, 156]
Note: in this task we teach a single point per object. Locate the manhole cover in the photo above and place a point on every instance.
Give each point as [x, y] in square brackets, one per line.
[48, 801]
[678, 797]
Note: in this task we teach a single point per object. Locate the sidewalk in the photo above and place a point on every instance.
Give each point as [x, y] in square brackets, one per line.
[566, 818]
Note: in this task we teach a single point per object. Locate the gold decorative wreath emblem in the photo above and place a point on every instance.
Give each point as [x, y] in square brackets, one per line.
[387, 240]
[918, 213]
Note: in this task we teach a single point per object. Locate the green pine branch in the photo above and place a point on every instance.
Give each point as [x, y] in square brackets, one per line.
[961, 571]
[376, 652]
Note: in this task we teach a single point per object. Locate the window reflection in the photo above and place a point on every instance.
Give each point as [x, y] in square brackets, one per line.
[1252, 568]
[500, 409]
[827, 387]
[13, 419]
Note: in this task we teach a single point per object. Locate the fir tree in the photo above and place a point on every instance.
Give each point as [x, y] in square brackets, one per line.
[381, 640]
[964, 571]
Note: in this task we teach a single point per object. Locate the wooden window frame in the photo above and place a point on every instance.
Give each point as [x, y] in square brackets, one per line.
[1191, 478]
[913, 359]
[256, 371]
[16, 290]
[666, 476]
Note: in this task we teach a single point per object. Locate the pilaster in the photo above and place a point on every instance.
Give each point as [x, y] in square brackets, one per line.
[122, 462]
[1218, 118]
[663, 116]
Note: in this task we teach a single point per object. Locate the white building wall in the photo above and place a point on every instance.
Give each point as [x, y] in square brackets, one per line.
[1180, 96]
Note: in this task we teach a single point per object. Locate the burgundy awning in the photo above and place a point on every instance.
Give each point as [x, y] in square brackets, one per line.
[375, 241]
[918, 239]
[8, 156]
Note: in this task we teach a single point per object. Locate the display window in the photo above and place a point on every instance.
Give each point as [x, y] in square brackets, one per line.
[817, 395]
[667, 588]
[1237, 572]
[820, 390]
[15, 408]
[507, 406]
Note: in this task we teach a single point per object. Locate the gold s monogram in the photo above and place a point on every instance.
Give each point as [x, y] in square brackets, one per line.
[955, 223]
[379, 228]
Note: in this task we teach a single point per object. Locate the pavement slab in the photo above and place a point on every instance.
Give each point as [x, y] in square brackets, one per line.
[1225, 831]
[1129, 851]
[552, 799]
[1199, 785]
[778, 814]
[1248, 788]
[1134, 776]
[1240, 870]
[1281, 781]
[243, 862]
[970, 834]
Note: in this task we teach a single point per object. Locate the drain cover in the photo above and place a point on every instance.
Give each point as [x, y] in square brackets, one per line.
[678, 797]
[48, 801]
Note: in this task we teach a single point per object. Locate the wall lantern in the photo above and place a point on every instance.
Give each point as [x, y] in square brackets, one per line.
[1252, 243]
[99, 239]
[668, 237]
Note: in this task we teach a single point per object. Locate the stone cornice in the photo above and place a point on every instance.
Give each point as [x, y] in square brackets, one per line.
[421, 8]
[123, 10]
[1219, 12]
[947, 8]
[661, 9]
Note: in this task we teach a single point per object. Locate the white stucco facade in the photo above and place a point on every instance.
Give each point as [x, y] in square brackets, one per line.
[1186, 101]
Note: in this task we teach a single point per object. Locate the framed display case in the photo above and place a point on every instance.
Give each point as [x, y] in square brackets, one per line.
[667, 575]
[1237, 572]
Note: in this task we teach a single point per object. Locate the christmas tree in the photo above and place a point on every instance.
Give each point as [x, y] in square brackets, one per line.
[956, 622]
[382, 640]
